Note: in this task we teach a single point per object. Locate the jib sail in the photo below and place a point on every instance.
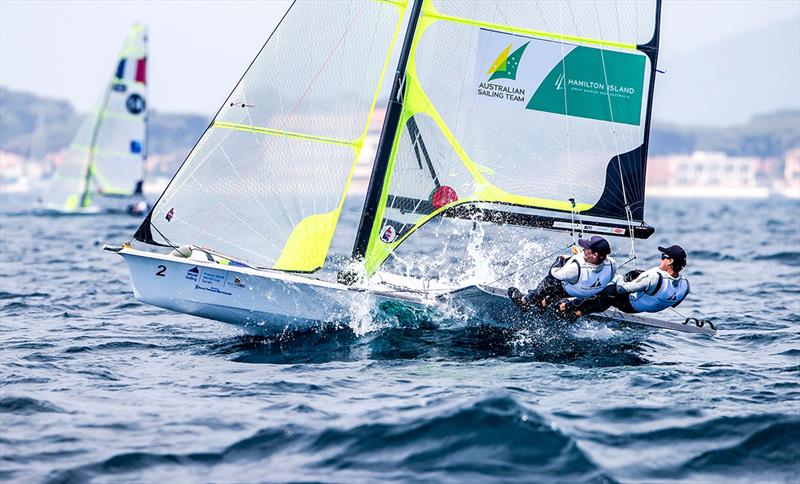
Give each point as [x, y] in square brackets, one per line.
[266, 182]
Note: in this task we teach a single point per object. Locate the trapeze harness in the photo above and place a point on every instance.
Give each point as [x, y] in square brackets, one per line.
[590, 282]
[669, 292]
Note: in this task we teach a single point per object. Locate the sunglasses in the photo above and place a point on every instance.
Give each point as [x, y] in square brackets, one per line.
[665, 256]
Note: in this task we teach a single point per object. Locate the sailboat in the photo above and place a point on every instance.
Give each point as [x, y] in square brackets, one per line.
[531, 113]
[103, 167]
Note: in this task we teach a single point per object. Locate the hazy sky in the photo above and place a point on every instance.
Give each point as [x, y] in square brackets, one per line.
[199, 49]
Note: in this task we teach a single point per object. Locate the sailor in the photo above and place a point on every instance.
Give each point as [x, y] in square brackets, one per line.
[650, 291]
[583, 275]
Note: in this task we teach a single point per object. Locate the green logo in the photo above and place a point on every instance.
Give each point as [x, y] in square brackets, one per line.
[505, 66]
[596, 84]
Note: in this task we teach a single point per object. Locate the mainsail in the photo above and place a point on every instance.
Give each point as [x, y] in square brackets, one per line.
[266, 182]
[107, 154]
[513, 106]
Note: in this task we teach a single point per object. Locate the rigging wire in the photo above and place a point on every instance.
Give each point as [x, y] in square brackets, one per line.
[429, 290]
[628, 212]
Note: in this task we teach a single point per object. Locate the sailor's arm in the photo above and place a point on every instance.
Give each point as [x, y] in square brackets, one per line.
[646, 281]
[568, 272]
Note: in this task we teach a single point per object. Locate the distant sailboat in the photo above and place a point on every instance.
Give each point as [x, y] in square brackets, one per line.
[534, 113]
[103, 167]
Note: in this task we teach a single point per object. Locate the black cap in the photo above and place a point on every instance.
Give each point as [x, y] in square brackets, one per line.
[596, 244]
[675, 252]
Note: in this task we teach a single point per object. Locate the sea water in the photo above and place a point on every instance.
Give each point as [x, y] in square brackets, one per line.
[96, 386]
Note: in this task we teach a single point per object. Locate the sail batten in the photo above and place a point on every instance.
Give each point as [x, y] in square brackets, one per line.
[288, 134]
[532, 33]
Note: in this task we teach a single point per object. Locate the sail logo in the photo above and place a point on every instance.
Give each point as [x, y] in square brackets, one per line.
[505, 66]
[592, 83]
[135, 104]
[388, 234]
[560, 83]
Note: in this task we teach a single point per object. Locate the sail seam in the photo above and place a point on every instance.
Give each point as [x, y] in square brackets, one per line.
[531, 32]
[288, 134]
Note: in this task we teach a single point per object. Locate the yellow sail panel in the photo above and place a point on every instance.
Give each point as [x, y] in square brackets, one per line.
[308, 243]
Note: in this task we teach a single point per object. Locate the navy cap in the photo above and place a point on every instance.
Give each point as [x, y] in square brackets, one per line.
[596, 244]
[675, 252]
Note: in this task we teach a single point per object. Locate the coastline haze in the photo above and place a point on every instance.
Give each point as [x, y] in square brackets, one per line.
[199, 50]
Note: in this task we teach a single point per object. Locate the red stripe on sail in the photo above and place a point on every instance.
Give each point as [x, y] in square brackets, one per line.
[141, 65]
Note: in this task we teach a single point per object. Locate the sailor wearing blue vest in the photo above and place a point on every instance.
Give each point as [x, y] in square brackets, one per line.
[583, 275]
[650, 291]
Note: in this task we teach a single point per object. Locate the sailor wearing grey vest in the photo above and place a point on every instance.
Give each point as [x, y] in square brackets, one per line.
[650, 291]
[583, 275]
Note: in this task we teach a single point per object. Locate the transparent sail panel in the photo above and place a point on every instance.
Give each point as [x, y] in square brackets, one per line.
[523, 104]
[120, 145]
[619, 21]
[68, 181]
[267, 181]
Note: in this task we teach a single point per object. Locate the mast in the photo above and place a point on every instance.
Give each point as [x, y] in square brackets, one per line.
[384, 151]
[93, 148]
[651, 50]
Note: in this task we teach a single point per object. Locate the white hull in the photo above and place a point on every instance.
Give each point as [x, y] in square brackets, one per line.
[261, 300]
[268, 301]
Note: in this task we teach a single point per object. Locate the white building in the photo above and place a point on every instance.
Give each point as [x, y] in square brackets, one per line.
[711, 174]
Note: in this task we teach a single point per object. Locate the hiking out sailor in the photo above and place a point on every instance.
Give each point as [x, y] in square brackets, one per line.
[650, 291]
[582, 275]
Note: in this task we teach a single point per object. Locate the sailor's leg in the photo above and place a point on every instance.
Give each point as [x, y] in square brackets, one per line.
[577, 307]
[623, 303]
[549, 289]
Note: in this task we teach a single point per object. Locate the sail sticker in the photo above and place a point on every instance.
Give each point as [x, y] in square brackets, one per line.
[559, 78]
[135, 104]
[136, 146]
[388, 234]
[170, 214]
[589, 228]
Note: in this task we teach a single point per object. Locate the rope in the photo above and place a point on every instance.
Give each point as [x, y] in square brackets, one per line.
[628, 212]
[558, 251]
[699, 322]
[428, 290]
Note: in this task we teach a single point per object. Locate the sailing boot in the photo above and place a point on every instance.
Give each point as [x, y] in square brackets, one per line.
[518, 299]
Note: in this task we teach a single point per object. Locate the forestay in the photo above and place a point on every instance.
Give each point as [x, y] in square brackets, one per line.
[518, 105]
[266, 182]
[107, 154]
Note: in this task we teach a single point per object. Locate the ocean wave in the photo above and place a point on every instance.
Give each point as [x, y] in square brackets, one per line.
[491, 438]
[790, 257]
[768, 452]
[27, 406]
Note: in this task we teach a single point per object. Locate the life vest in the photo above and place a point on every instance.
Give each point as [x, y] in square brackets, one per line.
[591, 279]
[669, 291]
